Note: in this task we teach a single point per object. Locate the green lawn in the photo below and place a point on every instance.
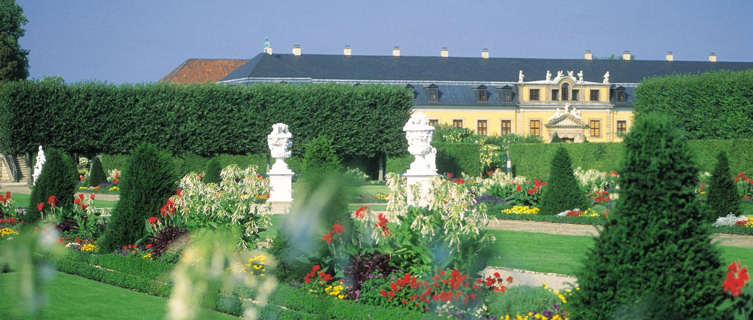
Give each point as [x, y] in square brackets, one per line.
[22, 200]
[72, 297]
[563, 254]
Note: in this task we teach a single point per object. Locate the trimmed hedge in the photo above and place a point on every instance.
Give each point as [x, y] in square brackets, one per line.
[532, 160]
[194, 163]
[451, 157]
[285, 302]
[716, 105]
[364, 121]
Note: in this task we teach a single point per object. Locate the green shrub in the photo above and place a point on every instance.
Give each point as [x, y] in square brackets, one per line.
[556, 138]
[521, 300]
[563, 192]
[96, 174]
[58, 178]
[148, 181]
[212, 174]
[722, 197]
[459, 157]
[320, 157]
[654, 256]
[713, 105]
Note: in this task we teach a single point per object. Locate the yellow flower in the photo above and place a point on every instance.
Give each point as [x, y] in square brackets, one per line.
[4, 232]
[521, 210]
[148, 255]
[89, 247]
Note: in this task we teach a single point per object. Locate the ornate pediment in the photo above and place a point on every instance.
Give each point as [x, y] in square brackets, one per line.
[569, 118]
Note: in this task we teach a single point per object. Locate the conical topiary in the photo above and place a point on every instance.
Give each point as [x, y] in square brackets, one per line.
[654, 258]
[58, 178]
[148, 181]
[722, 197]
[212, 174]
[563, 192]
[556, 138]
[96, 174]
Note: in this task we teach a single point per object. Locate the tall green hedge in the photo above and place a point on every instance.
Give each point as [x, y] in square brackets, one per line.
[532, 160]
[716, 105]
[206, 119]
[451, 157]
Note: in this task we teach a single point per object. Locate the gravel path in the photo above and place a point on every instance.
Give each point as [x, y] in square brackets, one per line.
[533, 279]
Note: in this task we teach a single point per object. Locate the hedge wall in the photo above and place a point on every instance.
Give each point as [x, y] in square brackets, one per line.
[532, 160]
[451, 157]
[716, 105]
[205, 119]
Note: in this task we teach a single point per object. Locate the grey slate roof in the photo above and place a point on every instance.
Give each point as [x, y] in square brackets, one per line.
[319, 66]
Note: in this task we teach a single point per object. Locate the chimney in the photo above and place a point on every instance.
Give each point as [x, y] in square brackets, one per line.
[627, 56]
[268, 50]
[396, 51]
[347, 51]
[484, 53]
[444, 53]
[297, 50]
[588, 55]
[712, 57]
[669, 57]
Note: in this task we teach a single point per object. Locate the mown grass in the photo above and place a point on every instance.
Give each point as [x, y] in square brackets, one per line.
[22, 200]
[564, 254]
[72, 297]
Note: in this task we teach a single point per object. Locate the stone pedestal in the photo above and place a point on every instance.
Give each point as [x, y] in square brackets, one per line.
[281, 185]
[421, 181]
[280, 176]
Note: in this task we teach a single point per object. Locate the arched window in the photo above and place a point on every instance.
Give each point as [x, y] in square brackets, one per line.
[565, 91]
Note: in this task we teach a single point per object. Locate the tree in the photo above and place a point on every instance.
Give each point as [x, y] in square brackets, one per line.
[723, 198]
[96, 174]
[148, 181]
[14, 63]
[556, 138]
[654, 258]
[563, 192]
[320, 156]
[58, 178]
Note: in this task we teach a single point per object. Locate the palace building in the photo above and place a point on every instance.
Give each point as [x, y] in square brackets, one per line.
[579, 99]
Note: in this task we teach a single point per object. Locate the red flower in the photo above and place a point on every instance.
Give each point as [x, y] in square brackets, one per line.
[327, 237]
[91, 196]
[81, 196]
[40, 206]
[149, 246]
[459, 180]
[51, 200]
[76, 201]
[7, 195]
[509, 279]
[496, 275]
[338, 228]
[153, 220]
[383, 224]
[83, 206]
[315, 268]
[125, 247]
[449, 175]
[383, 293]
[736, 279]
[361, 212]
[530, 192]
[518, 188]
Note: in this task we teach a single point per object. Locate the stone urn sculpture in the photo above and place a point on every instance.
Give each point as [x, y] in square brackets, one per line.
[280, 176]
[422, 170]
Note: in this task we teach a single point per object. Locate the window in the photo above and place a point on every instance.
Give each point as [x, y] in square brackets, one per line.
[555, 94]
[481, 127]
[621, 128]
[506, 95]
[457, 123]
[432, 93]
[594, 95]
[575, 94]
[481, 94]
[595, 127]
[621, 96]
[506, 127]
[535, 128]
[533, 94]
[565, 90]
[433, 122]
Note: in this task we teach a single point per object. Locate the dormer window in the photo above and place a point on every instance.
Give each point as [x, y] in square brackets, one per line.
[506, 95]
[621, 95]
[481, 94]
[432, 93]
[565, 90]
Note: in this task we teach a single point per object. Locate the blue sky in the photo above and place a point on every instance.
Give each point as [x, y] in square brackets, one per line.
[134, 41]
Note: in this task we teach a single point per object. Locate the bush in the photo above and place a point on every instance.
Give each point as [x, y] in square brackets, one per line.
[212, 174]
[320, 157]
[96, 174]
[722, 197]
[58, 178]
[654, 256]
[459, 157]
[563, 192]
[715, 105]
[148, 181]
[556, 138]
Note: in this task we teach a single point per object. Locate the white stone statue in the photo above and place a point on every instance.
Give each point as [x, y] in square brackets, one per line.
[606, 78]
[38, 165]
[560, 74]
[521, 76]
[548, 75]
[418, 132]
[580, 76]
[570, 74]
[279, 145]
